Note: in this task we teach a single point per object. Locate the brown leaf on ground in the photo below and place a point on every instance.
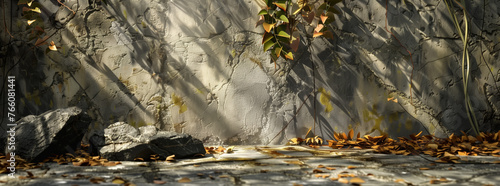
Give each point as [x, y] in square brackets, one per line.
[357, 180]
[118, 180]
[170, 158]
[159, 182]
[97, 180]
[343, 180]
[317, 171]
[184, 180]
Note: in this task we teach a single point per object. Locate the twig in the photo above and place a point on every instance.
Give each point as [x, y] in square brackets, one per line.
[59, 1]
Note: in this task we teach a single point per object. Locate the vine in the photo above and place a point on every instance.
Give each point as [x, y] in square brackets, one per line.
[280, 20]
[464, 36]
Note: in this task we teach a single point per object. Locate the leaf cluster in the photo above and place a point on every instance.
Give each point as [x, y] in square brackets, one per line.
[35, 25]
[280, 20]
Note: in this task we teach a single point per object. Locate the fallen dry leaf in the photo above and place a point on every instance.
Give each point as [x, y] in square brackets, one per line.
[317, 171]
[118, 180]
[159, 182]
[184, 180]
[97, 180]
[356, 180]
[343, 180]
[170, 158]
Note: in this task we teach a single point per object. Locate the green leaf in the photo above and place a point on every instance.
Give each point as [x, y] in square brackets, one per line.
[268, 45]
[284, 18]
[263, 12]
[283, 34]
[274, 57]
[281, 30]
[277, 51]
[267, 37]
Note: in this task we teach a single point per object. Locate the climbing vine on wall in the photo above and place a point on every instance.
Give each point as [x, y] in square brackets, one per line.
[280, 20]
[35, 25]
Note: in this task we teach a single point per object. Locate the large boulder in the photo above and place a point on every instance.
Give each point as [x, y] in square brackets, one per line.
[122, 142]
[54, 132]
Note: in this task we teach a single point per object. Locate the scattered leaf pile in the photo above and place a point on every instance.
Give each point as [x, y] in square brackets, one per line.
[219, 150]
[80, 158]
[447, 149]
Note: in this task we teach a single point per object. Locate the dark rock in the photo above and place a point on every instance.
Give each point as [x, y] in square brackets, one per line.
[182, 145]
[53, 132]
[122, 142]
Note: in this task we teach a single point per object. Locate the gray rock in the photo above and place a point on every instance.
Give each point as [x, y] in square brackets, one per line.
[53, 132]
[122, 142]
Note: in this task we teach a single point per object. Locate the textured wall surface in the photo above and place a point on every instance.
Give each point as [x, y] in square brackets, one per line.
[198, 67]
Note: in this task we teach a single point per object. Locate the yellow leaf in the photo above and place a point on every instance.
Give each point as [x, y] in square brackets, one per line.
[268, 26]
[36, 9]
[29, 3]
[118, 181]
[31, 21]
[289, 55]
[52, 46]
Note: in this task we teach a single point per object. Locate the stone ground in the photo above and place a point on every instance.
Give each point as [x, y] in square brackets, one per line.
[279, 165]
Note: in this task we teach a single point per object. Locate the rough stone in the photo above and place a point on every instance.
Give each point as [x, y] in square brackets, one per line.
[54, 132]
[204, 59]
[120, 141]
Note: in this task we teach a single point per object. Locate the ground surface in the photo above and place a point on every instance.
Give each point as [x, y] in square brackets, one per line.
[276, 165]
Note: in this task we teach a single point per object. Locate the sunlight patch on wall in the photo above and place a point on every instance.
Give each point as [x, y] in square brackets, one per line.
[324, 99]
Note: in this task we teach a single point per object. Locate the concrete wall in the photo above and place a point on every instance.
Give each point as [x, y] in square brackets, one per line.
[198, 67]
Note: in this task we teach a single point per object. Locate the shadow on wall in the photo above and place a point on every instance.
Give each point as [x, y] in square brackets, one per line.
[124, 68]
[197, 67]
[379, 69]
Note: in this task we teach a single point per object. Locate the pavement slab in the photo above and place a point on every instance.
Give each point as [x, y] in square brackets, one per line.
[276, 165]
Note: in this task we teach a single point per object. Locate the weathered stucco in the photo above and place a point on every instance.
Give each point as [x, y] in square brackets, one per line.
[198, 67]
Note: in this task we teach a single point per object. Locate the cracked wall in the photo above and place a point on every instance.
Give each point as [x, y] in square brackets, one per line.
[197, 67]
